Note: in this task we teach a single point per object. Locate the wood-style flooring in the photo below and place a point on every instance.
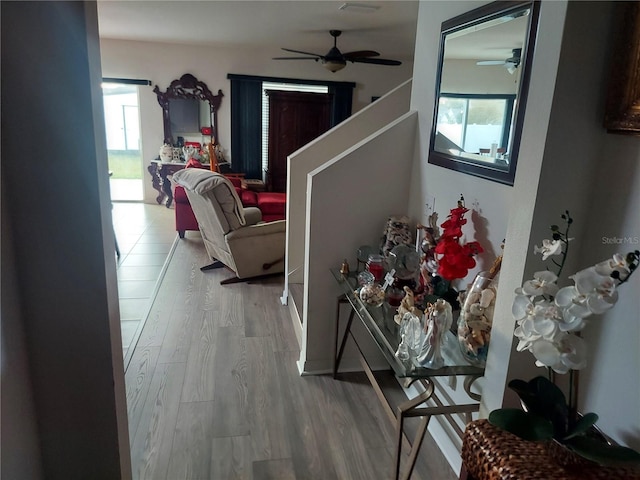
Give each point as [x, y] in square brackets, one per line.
[214, 392]
[145, 234]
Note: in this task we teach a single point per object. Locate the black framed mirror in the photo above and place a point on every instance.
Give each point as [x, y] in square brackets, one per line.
[481, 89]
[182, 104]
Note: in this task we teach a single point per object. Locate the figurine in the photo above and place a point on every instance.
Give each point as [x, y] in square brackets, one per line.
[189, 152]
[412, 335]
[344, 268]
[407, 305]
[438, 319]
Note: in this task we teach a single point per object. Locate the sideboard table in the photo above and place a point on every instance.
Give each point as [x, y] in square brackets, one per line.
[379, 323]
[160, 171]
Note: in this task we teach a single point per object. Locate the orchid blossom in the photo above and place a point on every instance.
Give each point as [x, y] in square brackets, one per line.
[454, 258]
[548, 248]
[547, 316]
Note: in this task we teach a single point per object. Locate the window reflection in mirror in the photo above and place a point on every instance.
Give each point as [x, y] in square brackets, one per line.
[478, 124]
[482, 89]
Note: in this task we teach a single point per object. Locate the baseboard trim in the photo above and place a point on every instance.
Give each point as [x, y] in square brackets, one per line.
[323, 367]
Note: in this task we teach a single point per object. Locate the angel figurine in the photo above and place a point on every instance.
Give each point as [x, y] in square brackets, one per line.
[438, 319]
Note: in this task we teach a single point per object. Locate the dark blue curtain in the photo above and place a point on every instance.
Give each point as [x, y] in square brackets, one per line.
[342, 101]
[246, 125]
[246, 116]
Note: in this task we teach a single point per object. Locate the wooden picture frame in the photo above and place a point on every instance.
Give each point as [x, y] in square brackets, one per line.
[622, 114]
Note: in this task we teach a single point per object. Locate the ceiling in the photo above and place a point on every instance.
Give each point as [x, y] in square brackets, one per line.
[491, 40]
[390, 28]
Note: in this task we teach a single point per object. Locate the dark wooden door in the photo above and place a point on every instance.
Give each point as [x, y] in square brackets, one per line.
[295, 118]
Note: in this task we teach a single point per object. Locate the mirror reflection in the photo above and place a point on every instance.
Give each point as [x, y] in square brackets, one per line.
[480, 91]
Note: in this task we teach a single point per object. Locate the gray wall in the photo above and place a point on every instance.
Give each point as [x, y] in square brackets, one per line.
[61, 358]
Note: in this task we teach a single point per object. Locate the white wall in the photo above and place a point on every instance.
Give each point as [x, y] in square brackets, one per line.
[341, 218]
[21, 457]
[567, 161]
[359, 126]
[63, 268]
[611, 384]
[580, 160]
[163, 63]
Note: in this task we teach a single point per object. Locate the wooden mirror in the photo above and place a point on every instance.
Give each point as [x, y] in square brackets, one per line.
[481, 89]
[179, 96]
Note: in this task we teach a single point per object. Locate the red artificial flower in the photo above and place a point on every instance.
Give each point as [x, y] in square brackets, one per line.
[455, 259]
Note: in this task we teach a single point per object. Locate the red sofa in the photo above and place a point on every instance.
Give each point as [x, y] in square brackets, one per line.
[272, 205]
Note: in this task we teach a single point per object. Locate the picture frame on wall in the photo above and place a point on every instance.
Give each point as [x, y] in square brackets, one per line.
[622, 114]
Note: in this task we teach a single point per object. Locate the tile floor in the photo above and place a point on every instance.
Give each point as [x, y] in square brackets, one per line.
[145, 234]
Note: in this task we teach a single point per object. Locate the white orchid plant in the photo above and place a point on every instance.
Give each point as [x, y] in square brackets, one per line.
[550, 318]
[549, 321]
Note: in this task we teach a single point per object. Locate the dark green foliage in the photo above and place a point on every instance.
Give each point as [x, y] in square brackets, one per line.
[547, 416]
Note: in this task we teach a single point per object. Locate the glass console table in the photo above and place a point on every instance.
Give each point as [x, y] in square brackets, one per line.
[381, 327]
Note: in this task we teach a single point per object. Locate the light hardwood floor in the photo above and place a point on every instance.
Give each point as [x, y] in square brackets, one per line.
[145, 234]
[213, 391]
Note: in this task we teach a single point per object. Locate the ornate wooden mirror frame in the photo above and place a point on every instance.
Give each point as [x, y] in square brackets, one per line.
[188, 87]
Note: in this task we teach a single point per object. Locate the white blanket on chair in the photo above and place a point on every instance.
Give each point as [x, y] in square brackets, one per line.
[201, 181]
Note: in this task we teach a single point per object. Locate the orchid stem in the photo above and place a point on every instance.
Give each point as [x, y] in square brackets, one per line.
[565, 240]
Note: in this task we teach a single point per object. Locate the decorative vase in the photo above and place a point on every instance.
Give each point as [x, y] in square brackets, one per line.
[375, 265]
[166, 153]
[476, 318]
[372, 295]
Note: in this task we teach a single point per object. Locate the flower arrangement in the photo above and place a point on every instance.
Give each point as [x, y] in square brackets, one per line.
[445, 257]
[549, 320]
[455, 259]
[548, 317]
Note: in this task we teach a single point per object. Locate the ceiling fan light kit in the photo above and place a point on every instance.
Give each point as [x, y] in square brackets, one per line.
[335, 60]
[334, 65]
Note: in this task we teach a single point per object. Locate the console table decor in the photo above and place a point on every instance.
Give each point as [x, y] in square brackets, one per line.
[382, 329]
[160, 171]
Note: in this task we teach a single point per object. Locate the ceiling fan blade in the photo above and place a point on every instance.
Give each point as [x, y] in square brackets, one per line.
[295, 58]
[376, 61]
[491, 62]
[360, 54]
[304, 53]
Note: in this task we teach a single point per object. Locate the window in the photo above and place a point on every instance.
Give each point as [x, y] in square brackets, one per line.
[475, 122]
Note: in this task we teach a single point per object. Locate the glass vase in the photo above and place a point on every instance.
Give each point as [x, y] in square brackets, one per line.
[476, 318]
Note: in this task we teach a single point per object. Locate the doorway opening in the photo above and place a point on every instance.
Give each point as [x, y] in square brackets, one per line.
[124, 148]
[281, 86]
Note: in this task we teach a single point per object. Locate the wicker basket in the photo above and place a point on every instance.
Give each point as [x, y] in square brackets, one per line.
[489, 453]
[567, 458]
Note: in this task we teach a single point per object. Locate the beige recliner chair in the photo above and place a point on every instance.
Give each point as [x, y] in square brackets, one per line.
[233, 235]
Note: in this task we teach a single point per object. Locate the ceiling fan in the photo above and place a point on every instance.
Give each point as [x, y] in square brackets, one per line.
[334, 60]
[510, 63]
